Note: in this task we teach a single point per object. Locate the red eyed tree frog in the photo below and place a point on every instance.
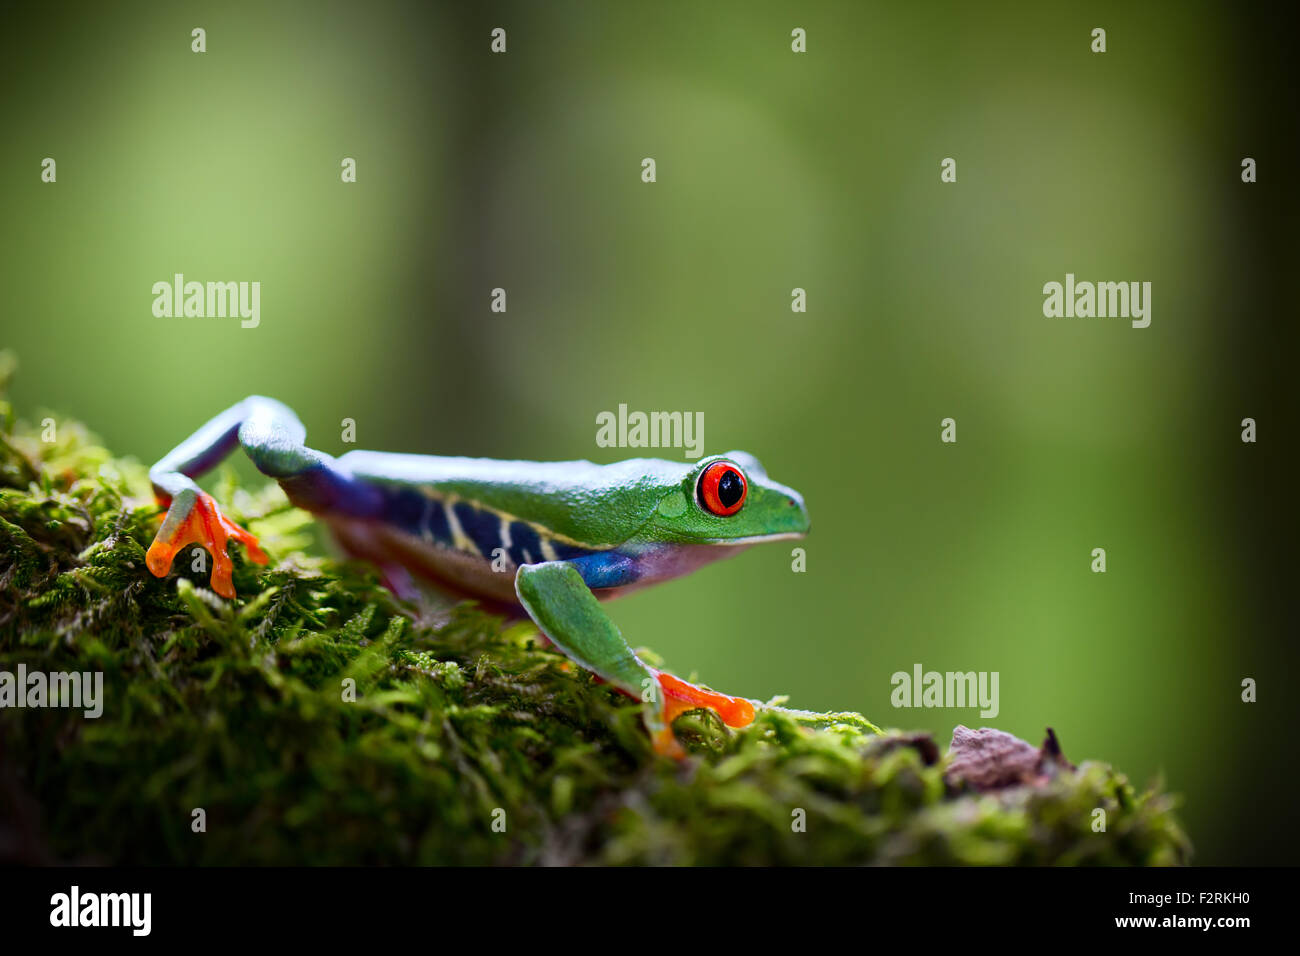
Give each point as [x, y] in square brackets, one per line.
[548, 539]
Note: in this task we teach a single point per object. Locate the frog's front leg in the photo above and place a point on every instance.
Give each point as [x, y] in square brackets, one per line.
[560, 603]
[273, 437]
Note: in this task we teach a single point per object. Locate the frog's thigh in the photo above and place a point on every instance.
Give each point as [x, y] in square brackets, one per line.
[312, 479]
[273, 438]
[561, 604]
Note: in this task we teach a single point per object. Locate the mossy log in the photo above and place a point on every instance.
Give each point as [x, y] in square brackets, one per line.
[461, 741]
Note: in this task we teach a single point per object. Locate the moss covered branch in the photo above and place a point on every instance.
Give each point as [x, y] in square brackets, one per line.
[317, 721]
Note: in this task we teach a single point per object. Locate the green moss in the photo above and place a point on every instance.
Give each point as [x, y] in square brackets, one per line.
[239, 708]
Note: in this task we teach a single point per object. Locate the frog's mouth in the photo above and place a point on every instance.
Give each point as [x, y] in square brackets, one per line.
[780, 520]
[756, 538]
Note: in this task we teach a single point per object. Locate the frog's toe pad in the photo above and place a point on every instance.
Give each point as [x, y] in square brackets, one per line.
[679, 697]
[203, 524]
[666, 745]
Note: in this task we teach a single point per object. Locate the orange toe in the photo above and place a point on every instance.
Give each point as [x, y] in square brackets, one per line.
[666, 745]
[207, 526]
[679, 697]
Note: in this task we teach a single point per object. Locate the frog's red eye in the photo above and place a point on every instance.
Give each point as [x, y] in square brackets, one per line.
[722, 488]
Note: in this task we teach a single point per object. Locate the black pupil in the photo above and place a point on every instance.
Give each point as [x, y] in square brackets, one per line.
[730, 488]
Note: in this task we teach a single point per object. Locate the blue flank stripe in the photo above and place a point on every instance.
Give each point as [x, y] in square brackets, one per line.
[416, 513]
[567, 552]
[609, 569]
[480, 526]
[523, 538]
[404, 507]
[409, 509]
[439, 526]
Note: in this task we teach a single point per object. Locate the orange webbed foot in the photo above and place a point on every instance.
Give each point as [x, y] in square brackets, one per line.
[200, 521]
[680, 696]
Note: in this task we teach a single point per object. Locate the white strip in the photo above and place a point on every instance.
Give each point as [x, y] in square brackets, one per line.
[425, 533]
[458, 536]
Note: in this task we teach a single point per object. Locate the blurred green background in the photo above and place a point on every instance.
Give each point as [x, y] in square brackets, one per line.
[775, 171]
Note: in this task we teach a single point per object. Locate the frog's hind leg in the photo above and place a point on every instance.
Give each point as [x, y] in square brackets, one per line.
[272, 436]
[559, 601]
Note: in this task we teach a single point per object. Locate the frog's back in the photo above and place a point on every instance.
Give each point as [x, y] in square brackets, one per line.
[534, 510]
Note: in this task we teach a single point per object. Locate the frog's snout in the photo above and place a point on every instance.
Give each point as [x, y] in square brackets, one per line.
[803, 524]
